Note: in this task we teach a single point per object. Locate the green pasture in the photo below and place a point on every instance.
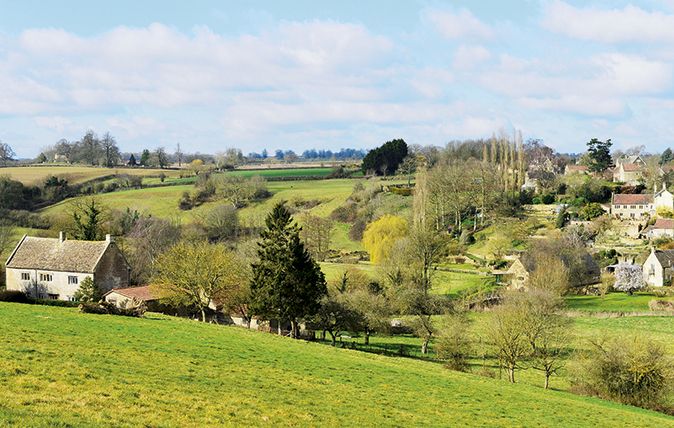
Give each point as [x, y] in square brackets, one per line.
[63, 368]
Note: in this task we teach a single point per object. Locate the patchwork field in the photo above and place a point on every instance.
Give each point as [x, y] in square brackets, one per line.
[76, 174]
[160, 371]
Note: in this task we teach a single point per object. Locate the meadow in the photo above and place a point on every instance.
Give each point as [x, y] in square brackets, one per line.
[33, 175]
[100, 370]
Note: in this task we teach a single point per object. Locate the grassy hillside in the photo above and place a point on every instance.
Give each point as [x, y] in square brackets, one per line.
[63, 368]
[76, 174]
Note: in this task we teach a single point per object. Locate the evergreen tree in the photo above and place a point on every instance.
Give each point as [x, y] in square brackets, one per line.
[667, 156]
[88, 218]
[599, 153]
[287, 283]
[145, 158]
[132, 160]
[385, 160]
[88, 291]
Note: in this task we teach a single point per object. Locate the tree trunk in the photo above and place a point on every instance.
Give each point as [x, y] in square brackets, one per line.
[279, 330]
[367, 337]
[334, 339]
[511, 374]
[547, 381]
[294, 329]
[203, 315]
[424, 345]
[323, 335]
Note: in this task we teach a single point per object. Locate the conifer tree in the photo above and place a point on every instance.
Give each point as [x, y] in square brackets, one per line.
[287, 283]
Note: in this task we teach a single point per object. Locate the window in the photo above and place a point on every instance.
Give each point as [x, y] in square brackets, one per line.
[25, 276]
[72, 279]
[46, 277]
[71, 298]
[53, 296]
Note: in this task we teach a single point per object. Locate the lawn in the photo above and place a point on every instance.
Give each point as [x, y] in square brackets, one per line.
[76, 174]
[613, 302]
[62, 368]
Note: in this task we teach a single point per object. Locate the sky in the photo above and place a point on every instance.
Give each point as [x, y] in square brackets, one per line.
[316, 74]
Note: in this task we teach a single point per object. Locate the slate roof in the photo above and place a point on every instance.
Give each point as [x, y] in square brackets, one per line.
[56, 255]
[633, 199]
[665, 257]
[141, 293]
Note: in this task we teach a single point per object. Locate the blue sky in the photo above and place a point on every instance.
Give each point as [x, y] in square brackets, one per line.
[307, 74]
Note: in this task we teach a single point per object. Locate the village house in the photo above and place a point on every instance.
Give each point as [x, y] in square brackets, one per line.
[640, 206]
[657, 268]
[663, 227]
[575, 169]
[54, 268]
[628, 173]
[519, 271]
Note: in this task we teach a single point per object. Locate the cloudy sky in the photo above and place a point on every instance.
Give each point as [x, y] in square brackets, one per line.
[307, 74]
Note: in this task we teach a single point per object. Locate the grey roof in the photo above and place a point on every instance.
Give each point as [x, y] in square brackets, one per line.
[54, 254]
[665, 257]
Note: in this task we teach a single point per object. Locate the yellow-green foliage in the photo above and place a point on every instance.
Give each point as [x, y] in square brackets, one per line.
[665, 212]
[104, 370]
[380, 236]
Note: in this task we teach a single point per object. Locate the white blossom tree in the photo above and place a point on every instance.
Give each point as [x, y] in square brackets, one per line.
[629, 278]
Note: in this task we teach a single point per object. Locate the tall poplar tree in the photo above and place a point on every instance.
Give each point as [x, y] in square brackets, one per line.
[287, 283]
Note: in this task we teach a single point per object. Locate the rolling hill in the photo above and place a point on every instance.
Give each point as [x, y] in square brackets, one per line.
[63, 368]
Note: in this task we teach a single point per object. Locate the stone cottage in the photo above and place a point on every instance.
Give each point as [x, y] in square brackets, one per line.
[657, 268]
[54, 268]
[586, 272]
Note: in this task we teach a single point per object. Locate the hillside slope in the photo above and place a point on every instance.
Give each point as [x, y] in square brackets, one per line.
[59, 367]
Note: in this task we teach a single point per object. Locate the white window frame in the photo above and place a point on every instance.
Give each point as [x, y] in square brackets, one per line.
[73, 280]
[25, 276]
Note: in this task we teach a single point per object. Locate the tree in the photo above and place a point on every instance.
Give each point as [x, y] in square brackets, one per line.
[599, 155]
[110, 150]
[591, 211]
[132, 160]
[666, 157]
[507, 335]
[88, 291]
[380, 235]
[41, 158]
[220, 222]
[197, 165]
[197, 274]
[88, 219]
[633, 370]
[549, 273]
[89, 148]
[453, 343]
[161, 157]
[316, 233]
[145, 158]
[629, 278]
[408, 167]
[148, 239]
[374, 310]
[287, 283]
[385, 160]
[6, 153]
[336, 315]
[179, 155]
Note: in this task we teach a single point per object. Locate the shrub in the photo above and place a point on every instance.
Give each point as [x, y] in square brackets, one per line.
[453, 345]
[135, 309]
[548, 198]
[88, 291]
[14, 296]
[630, 370]
[660, 305]
[185, 202]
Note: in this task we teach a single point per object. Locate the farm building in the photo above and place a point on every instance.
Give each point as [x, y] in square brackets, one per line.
[54, 268]
[658, 267]
[122, 297]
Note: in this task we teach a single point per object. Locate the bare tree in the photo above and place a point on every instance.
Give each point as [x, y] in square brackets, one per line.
[179, 155]
[316, 233]
[110, 150]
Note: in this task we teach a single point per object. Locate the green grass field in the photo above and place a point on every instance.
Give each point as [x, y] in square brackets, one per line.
[613, 302]
[76, 174]
[63, 368]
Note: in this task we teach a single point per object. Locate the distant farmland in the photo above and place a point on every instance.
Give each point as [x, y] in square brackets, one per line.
[32, 175]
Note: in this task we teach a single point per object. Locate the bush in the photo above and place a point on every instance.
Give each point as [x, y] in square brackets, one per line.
[630, 370]
[185, 202]
[453, 345]
[136, 309]
[50, 302]
[660, 305]
[548, 198]
[14, 296]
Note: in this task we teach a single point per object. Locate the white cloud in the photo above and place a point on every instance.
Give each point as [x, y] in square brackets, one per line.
[458, 25]
[629, 24]
[467, 57]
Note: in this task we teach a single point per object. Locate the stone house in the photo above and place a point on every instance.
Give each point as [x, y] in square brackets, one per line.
[628, 173]
[632, 206]
[575, 169]
[519, 271]
[657, 269]
[54, 268]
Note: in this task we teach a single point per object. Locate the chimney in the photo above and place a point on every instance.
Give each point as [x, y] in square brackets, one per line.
[108, 238]
[62, 236]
